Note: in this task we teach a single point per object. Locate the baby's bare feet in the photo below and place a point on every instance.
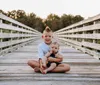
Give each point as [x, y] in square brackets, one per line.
[44, 71]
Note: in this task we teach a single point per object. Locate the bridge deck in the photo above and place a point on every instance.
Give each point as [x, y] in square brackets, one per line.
[15, 71]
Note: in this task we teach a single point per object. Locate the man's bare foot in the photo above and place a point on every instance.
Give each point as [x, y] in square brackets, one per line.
[44, 71]
[36, 69]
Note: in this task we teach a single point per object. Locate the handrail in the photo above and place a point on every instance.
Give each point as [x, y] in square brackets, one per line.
[14, 34]
[84, 35]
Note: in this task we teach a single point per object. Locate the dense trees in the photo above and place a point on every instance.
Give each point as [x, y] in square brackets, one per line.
[53, 21]
[70, 19]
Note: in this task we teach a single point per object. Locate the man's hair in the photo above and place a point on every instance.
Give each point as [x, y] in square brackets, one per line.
[47, 29]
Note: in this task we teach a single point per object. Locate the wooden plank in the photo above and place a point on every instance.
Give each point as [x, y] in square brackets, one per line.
[51, 79]
[14, 66]
[32, 71]
[52, 74]
[32, 82]
[27, 69]
[81, 61]
[29, 54]
[73, 61]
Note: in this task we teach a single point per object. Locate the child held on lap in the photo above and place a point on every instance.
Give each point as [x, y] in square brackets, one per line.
[44, 51]
[54, 51]
[43, 48]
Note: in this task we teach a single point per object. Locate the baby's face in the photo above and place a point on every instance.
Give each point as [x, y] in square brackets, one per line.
[54, 48]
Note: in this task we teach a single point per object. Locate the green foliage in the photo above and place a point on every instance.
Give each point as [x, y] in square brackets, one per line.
[98, 41]
[1, 11]
[6, 31]
[53, 21]
[70, 19]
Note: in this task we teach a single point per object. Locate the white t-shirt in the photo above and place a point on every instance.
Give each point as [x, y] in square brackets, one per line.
[43, 48]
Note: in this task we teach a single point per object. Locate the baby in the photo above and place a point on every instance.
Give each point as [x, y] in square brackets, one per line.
[53, 53]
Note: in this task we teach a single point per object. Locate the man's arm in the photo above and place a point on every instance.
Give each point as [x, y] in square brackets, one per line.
[58, 58]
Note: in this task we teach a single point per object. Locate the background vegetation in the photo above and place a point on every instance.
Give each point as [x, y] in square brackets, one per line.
[54, 21]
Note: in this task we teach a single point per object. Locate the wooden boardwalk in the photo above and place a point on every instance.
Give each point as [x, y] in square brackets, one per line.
[85, 70]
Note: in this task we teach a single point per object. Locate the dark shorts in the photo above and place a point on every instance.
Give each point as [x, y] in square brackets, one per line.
[49, 63]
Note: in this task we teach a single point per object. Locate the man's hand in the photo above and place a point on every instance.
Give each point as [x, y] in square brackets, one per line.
[59, 56]
[51, 59]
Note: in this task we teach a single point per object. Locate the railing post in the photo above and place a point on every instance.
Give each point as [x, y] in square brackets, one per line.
[85, 36]
[94, 32]
[1, 40]
[0, 20]
[11, 38]
[83, 33]
[94, 41]
[11, 41]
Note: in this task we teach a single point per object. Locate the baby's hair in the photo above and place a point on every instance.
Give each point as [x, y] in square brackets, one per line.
[55, 43]
[47, 29]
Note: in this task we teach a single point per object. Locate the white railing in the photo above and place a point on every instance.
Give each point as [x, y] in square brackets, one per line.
[84, 35]
[13, 34]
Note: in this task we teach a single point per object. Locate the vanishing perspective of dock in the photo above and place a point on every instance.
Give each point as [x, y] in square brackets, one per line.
[79, 43]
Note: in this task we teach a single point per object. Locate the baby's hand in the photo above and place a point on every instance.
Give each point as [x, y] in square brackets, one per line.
[51, 52]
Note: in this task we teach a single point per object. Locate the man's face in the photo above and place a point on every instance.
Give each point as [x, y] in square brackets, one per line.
[54, 48]
[47, 37]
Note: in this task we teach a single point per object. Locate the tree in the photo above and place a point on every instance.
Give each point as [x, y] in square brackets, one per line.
[67, 20]
[12, 14]
[39, 25]
[77, 18]
[21, 16]
[70, 19]
[31, 18]
[1, 11]
[53, 21]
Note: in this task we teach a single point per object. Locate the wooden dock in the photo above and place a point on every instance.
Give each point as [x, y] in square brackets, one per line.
[85, 70]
